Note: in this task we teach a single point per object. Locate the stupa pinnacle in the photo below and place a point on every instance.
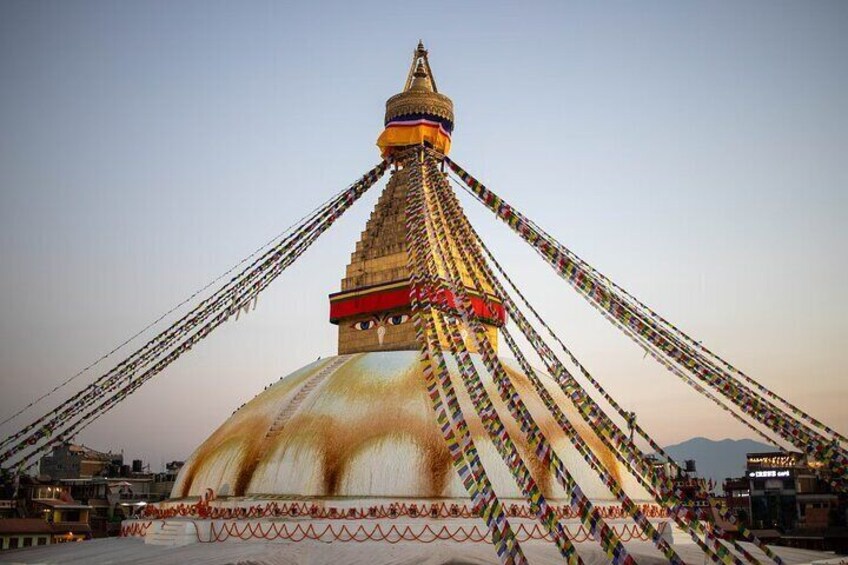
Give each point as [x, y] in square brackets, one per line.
[420, 114]
[373, 308]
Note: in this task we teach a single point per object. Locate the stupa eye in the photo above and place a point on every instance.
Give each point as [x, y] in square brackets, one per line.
[398, 319]
[365, 325]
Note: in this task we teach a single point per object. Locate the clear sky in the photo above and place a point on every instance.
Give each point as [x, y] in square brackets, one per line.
[695, 152]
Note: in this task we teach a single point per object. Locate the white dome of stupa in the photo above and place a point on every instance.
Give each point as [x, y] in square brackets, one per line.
[362, 426]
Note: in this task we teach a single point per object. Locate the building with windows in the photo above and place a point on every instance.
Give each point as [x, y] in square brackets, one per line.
[71, 461]
[42, 514]
[112, 499]
[787, 498]
[737, 498]
[24, 532]
[773, 489]
[787, 491]
[68, 518]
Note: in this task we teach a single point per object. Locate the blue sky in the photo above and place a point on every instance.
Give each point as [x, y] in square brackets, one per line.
[693, 151]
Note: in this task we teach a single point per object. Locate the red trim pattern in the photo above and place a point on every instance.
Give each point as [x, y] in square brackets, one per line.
[389, 533]
[486, 309]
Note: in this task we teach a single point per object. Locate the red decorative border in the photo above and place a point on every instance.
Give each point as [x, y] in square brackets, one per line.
[135, 529]
[392, 534]
[395, 298]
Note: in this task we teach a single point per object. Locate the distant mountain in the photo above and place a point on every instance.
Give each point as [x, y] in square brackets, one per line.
[717, 460]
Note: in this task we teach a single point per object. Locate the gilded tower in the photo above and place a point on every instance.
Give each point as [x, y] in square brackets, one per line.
[372, 309]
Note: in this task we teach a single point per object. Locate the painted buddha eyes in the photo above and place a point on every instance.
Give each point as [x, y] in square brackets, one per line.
[397, 319]
[392, 320]
[365, 325]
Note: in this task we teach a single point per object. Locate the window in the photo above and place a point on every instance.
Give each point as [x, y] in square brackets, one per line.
[42, 541]
[13, 543]
[27, 542]
[71, 516]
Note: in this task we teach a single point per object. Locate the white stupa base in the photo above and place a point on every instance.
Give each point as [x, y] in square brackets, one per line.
[135, 550]
[184, 531]
[333, 531]
[356, 520]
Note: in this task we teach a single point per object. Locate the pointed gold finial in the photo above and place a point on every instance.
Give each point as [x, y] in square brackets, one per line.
[420, 64]
[420, 71]
[421, 79]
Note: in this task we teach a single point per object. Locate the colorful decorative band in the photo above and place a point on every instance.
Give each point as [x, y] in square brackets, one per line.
[396, 297]
[445, 123]
[416, 129]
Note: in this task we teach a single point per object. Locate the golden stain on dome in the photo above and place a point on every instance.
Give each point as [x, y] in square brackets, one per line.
[366, 429]
[248, 426]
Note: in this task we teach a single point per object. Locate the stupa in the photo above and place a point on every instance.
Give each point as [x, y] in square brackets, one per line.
[353, 437]
[358, 425]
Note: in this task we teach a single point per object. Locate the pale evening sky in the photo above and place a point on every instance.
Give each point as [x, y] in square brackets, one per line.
[695, 152]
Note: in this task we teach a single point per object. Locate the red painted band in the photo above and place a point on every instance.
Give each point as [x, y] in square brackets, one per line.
[398, 299]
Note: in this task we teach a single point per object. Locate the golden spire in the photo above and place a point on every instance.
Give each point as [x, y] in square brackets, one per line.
[420, 68]
[421, 81]
[420, 94]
